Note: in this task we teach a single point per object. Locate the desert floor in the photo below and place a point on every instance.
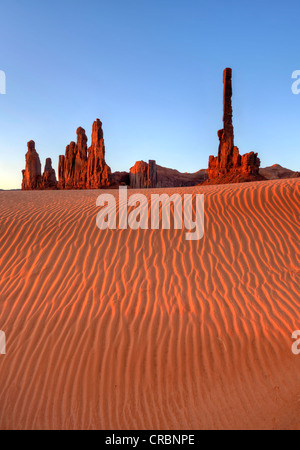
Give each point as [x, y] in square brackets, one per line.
[143, 329]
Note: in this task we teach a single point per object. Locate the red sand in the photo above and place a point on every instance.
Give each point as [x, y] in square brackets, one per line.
[143, 329]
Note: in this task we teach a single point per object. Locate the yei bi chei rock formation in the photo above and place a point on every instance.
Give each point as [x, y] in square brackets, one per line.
[83, 168]
[79, 168]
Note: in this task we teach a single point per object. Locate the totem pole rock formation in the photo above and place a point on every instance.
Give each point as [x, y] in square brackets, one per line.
[229, 166]
[32, 176]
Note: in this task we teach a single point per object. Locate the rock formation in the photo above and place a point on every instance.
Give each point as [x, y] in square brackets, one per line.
[229, 166]
[81, 160]
[32, 177]
[98, 172]
[79, 168]
[61, 172]
[143, 175]
[49, 178]
[83, 168]
[152, 174]
[72, 168]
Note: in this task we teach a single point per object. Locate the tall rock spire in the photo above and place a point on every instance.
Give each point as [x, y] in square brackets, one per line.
[227, 104]
[226, 135]
[32, 176]
[80, 170]
[72, 168]
[98, 172]
[61, 172]
[229, 166]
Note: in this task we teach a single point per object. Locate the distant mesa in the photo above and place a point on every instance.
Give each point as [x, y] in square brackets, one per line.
[85, 168]
[151, 175]
[276, 172]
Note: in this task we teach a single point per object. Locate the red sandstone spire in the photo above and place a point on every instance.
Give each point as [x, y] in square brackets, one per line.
[32, 176]
[229, 166]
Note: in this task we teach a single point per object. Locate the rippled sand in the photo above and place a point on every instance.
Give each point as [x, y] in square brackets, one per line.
[143, 329]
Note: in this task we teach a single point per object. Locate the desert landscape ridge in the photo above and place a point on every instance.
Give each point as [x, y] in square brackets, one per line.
[140, 329]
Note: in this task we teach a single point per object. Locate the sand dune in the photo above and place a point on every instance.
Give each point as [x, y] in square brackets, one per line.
[143, 329]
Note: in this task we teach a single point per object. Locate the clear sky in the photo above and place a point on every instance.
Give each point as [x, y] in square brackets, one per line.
[151, 70]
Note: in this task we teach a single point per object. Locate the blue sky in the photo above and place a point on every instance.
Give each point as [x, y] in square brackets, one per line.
[151, 70]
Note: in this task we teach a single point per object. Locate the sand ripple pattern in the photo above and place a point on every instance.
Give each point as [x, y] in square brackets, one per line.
[143, 329]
